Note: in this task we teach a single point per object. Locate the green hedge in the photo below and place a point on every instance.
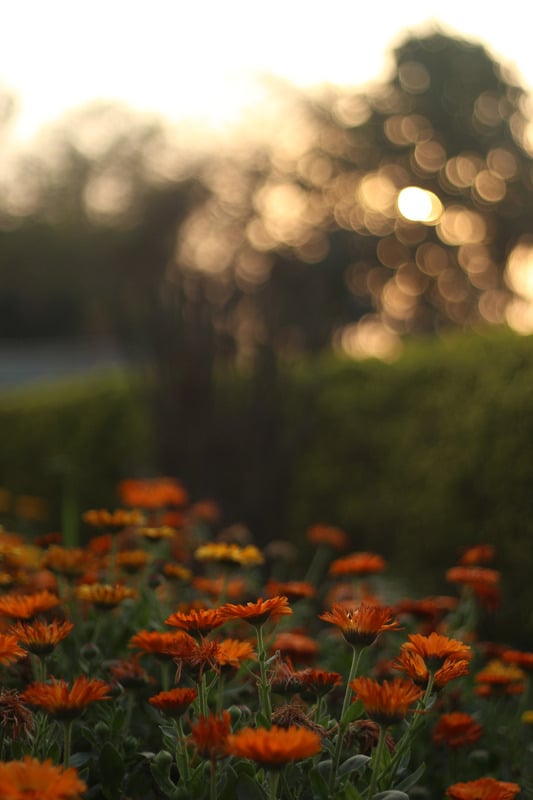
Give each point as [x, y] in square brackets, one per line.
[413, 459]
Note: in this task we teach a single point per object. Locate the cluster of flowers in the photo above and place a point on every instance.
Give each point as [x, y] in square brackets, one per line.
[171, 657]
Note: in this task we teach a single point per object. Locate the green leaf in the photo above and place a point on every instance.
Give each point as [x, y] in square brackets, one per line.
[249, 789]
[79, 759]
[354, 712]
[391, 794]
[320, 787]
[355, 763]
[111, 769]
[413, 778]
[351, 793]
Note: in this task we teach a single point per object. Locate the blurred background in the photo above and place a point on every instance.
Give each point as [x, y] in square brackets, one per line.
[283, 253]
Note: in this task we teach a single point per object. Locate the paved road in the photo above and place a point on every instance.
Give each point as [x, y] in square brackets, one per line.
[24, 363]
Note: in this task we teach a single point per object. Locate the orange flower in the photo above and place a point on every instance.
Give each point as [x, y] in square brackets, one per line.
[357, 564]
[27, 606]
[296, 645]
[317, 682]
[229, 553]
[104, 596]
[519, 658]
[275, 747]
[129, 674]
[69, 562]
[41, 638]
[214, 587]
[387, 702]
[232, 653]
[30, 779]
[152, 493]
[175, 702]
[121, 518]
[155, 533]
[499, 678]
[177, 572]
[64, 702]
[257, 613]
[196, 657]
[478, 554]
[482, 581]
[416, 668]
[436, 649]
[210, 734]
[199, 621]
[327, 534]
[162, 644]
[483, 789]
[362, 625]
[132, 561]
[293, 590]
[456, 730]
[9, 649]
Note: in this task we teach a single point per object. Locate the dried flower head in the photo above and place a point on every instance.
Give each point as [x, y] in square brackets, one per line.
[16, 719]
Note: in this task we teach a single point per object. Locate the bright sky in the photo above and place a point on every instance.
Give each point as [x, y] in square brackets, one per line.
[197, 59]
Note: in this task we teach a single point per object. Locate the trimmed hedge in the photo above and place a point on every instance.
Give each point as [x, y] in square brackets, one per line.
[413, 459]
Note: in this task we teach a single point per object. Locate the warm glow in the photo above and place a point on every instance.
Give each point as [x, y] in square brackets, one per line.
[419, 205]
[519, 277]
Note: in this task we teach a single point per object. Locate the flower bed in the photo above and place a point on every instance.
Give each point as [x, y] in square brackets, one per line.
[170, 658]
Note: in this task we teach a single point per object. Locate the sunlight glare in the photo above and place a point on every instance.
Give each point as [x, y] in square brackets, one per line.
[419, 205]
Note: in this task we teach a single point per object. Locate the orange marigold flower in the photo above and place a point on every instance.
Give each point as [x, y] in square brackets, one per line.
[27, 606]
[9, 649]
[210, 734]
[436, 649]
[257, 613]
[387, 702]
[129, 674]
[416, 668]
[232, 653]
[31, 779]
[477, 554]
[152, 493]
[200, 621]
[361, 625]
[41, 638]
[430, 608]
[65, 702]
[229, 553]
[519, 658]
[483, 789]
[121, 518]
[296, 645]
[155, 533]
[162, 644]
[317, 682]
[500, 678]
[104, 596]
[327, 534]
[483, 582]
[175, 702]
[456, 730]
[205, 511]
[132, 561]
[293, 590]
[177, 572]
[357, 564]
[274, 747]
[70, 562]
[214, 587]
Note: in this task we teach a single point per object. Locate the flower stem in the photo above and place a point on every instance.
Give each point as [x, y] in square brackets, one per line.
[67, 730]
[265, 702]
[356, 657]
[377, 758]
[273, 784]
[182, 754]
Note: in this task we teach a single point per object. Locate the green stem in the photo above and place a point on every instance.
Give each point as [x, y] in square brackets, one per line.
[213, 780]
[67, 730]
[416, 721]
[273, 784]
[377, 758]
[265, 702]
[356, 657]
[182, 755]
[202, 696]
